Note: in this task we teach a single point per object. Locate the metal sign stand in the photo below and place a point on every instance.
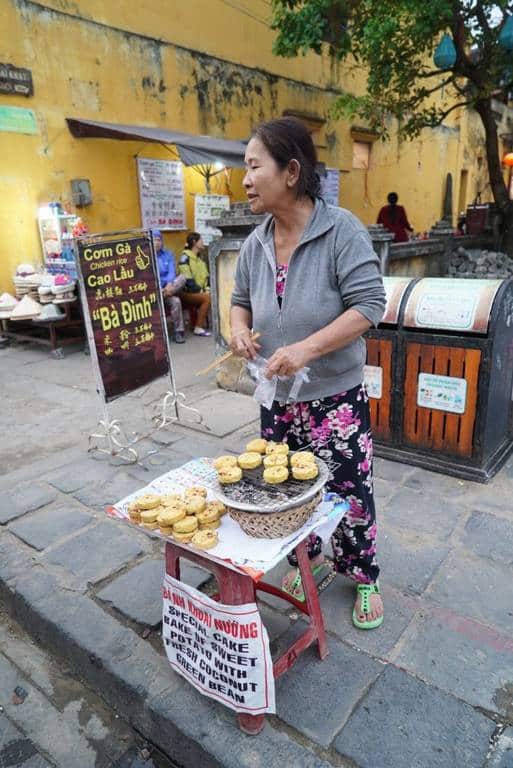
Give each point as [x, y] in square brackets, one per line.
[117, 441]
[168, 412]
[110, 437]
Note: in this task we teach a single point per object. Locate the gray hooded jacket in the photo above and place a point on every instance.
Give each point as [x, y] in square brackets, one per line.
[334, 268]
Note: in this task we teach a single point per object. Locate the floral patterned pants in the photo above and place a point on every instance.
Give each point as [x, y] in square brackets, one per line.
[174, 305]
[337, 429]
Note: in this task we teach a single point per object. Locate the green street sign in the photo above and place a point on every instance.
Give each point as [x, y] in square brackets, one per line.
[18, 120]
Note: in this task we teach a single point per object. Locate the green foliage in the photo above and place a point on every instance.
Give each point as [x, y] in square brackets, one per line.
[306, 26]
[393, 41]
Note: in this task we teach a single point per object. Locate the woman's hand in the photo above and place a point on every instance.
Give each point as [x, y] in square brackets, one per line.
[286, 361]
[243, 345]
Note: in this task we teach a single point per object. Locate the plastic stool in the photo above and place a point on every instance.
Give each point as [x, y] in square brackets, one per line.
[237, 588]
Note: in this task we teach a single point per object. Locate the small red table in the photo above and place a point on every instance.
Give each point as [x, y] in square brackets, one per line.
[237, 587]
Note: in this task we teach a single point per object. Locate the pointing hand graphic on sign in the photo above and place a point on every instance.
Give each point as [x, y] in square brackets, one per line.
[142, 259]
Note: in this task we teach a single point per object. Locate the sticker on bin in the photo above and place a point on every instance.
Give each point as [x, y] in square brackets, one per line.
[451, 304]
[373, 379]
[442, 393]
[222, 650]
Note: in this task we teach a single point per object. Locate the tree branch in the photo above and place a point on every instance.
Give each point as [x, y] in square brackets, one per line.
[463, 64]
[500, 191]
[426, 75]
[447, 112]
[481, 16]
[438, 87]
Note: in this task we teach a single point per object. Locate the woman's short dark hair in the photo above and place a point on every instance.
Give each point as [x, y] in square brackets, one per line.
[287, 139]
[192, 239]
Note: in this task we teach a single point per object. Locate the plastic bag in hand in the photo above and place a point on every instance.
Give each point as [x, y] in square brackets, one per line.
[265, 392]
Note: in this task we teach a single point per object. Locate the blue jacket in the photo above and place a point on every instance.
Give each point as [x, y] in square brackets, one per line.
[167, 266]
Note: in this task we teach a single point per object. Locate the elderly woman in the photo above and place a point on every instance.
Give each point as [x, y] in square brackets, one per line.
[309, 281]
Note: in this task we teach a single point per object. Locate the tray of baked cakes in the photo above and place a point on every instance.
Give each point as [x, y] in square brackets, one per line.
[187, 517]
[269, 490]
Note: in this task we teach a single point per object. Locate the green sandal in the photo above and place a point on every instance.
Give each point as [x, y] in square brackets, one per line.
[365, 591]
[296, 587]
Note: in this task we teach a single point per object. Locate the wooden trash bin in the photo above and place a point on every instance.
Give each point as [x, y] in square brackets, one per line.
[456, 367]
[382, 366]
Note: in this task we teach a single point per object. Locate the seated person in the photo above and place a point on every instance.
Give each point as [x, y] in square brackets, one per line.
[171, 284]
[196, 292]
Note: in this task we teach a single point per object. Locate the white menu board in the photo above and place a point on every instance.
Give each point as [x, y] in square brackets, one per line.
[330, 186]
[161, 194]
[209, 207]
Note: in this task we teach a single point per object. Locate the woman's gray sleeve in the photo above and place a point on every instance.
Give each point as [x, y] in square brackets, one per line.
[240, 295]
[359, 278]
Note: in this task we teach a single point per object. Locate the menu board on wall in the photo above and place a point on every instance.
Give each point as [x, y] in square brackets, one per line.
[330, 186]
[120, 295]
[209, 207]
[161, 194]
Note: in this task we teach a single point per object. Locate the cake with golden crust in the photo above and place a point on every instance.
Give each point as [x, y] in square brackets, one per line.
[189, 524]
[205, 539]
[229, 475]
[276, 460]
[258, 445]
[277, 448]
[301, 458]
[195, 490]
[249, 460]
[225, 461]
[148, 501]
[307, 471]
[169, 516]
[276, 474]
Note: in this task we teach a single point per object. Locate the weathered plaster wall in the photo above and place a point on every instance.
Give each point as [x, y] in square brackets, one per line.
[129, 63]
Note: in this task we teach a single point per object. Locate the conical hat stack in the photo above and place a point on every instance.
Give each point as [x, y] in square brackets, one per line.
[50, 313]
[27, 309]
[7, 305]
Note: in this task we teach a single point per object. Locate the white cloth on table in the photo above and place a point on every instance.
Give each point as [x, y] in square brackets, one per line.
[235, 545]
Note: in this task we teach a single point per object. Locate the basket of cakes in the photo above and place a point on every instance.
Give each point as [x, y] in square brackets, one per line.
[269, 490]
[188, 518]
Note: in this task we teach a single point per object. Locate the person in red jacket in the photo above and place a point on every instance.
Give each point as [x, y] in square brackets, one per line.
[394, 218]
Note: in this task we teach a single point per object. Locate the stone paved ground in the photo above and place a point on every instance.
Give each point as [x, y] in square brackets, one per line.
[53, 720]
[432, 688]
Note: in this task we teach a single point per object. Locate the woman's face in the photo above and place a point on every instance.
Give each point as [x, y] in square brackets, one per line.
[266, 184]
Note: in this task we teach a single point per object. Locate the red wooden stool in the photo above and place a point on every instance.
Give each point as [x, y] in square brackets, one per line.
[236, 588]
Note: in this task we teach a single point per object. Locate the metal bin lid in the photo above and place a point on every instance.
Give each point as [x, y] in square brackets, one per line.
[395, 288]
[451, 304]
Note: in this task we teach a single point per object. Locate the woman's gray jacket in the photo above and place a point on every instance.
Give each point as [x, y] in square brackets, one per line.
[334, 268]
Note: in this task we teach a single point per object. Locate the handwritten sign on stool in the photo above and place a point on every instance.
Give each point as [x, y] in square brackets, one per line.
[222, 650]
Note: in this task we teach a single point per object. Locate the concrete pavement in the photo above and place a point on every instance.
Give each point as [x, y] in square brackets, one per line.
[49, 719]
[432, 688]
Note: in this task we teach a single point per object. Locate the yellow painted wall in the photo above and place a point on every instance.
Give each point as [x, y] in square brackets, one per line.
[203, 67]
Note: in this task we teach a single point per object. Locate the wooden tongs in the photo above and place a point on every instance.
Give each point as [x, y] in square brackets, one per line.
[220, 360]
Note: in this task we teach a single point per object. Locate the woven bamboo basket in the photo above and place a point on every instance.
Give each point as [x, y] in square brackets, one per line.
[277, 524]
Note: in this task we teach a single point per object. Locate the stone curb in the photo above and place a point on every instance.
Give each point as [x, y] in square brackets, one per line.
[132, 677]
